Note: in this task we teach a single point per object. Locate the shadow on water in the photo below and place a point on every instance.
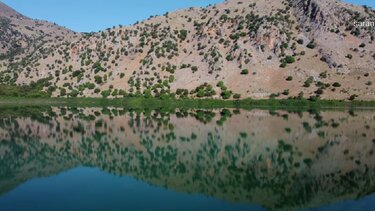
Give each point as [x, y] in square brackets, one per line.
[281, 160]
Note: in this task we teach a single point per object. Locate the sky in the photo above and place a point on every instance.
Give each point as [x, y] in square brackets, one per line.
[96, 15]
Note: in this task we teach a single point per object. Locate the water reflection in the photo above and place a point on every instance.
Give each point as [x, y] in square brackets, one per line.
[277, 159]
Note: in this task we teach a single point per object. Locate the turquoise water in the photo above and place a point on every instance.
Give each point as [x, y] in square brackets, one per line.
[115, 159]
[91, 189]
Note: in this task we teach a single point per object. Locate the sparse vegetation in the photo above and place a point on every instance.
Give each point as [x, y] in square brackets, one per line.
[150, 57]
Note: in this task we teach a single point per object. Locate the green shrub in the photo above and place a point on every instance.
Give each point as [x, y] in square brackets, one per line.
[244, 72]
[34, 89]
[336, 84]
[311, 45]
[319, 91]
[122, 93]
[183, 34]
[62, 92]
[313, 98]
[91, 86]
[76, 73]
[147, 93]
[353, 97]
[74, 93]
[285, 92]
[237, 96]
[226, 94]
[115, 93]
[323, 75]
[106, 93]
[308, 82]
[201, 93]
[98, 79]
[171, 79]
[290, 59]
[229, 57]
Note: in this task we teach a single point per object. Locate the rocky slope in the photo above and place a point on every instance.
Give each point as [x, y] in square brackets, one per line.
[20, 36]
[236, 49]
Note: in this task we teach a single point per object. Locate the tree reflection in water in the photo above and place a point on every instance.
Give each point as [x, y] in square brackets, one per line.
[278, 159]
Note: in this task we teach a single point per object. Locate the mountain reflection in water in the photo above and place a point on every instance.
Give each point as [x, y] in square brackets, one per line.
[279, 160]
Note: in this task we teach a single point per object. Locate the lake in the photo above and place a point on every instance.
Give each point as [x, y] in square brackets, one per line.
[68, 158]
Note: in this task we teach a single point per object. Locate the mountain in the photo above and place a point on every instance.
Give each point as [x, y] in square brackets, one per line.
[236, 49]
[19, 35]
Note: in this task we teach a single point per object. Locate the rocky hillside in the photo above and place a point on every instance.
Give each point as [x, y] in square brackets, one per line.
[236, 49]
[20, 36]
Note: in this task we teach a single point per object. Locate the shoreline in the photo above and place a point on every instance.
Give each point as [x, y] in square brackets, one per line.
[185, 103]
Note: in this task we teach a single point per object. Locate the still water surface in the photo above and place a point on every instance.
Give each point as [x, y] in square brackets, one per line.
[117, 159]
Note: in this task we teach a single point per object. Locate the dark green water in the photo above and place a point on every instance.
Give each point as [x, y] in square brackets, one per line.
[224, 159]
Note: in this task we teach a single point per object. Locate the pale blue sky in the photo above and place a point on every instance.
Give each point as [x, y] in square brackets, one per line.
[95, 15]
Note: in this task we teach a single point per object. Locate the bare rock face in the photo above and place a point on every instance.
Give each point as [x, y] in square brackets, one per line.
[311, 11]
[331, 25]
[253, 48]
